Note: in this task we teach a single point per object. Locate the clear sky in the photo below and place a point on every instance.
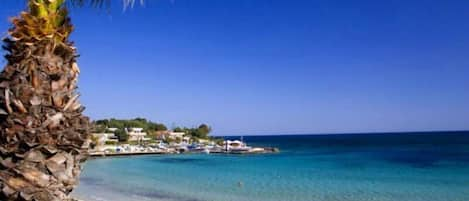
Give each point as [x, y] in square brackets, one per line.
[276, 66]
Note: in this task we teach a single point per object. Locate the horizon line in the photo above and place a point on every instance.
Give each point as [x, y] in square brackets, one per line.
[351, 133]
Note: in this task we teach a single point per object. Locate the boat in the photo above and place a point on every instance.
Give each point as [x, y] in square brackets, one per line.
[206, 151]
[236, 146]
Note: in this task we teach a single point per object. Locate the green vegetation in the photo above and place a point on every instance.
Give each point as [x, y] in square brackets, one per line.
[153, 130]
[200, 132]
[121, 135]
[111, 143]
[148, 126]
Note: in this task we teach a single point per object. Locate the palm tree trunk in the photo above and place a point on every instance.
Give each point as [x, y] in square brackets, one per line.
[44, 137]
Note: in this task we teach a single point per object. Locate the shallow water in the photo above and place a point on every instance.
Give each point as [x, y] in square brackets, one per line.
[405, 167]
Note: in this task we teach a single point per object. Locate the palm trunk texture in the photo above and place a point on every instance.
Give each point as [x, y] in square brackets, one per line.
[44, 137]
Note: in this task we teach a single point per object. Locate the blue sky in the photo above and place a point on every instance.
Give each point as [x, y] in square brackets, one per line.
[275, 66]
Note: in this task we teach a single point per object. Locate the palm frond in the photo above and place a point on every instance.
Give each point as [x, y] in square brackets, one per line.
[104, 3]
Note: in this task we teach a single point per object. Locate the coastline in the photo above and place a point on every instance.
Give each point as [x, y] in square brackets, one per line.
[258, 150]
[352, 168]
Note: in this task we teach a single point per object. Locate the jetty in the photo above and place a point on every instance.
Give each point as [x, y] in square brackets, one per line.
[103, 154]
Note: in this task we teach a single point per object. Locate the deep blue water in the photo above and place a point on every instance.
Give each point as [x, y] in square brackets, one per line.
[378, 167]
[414, 149]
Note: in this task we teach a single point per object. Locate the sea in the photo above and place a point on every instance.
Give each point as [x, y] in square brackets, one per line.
[432, 166]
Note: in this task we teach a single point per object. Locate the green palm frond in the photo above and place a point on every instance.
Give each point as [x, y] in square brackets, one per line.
[53, 14]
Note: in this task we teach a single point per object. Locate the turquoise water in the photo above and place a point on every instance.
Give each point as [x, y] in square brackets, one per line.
[404, 167]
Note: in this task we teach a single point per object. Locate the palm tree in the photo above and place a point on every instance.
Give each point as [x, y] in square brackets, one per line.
[44, 136]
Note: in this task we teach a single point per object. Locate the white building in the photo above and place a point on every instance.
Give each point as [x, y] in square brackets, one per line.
[137, 134]
[102, 138]
[203, 141]
[112, 129]
[175, 135]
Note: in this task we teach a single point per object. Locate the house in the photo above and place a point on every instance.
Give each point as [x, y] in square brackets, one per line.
[186, 139]
[112, 129]
[103, 138]
[136, 134]
[176, 135]
[161, 135]
[203, 141]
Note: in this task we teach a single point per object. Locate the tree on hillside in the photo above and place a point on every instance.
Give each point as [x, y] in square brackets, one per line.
[121, 135]
[178, 129]
[132, 123]
[156, 127]
[44, 135]
[114, 123]
[204, 128]
[102, 122]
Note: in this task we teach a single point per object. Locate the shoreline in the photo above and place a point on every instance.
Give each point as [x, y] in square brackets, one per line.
[357, 168]
[261, 150]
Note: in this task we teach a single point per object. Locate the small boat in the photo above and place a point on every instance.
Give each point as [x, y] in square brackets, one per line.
[236, 146]
[240, 149]
[206, 151]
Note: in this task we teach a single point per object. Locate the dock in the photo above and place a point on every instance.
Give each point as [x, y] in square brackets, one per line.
[264, 150]
[102, 154]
